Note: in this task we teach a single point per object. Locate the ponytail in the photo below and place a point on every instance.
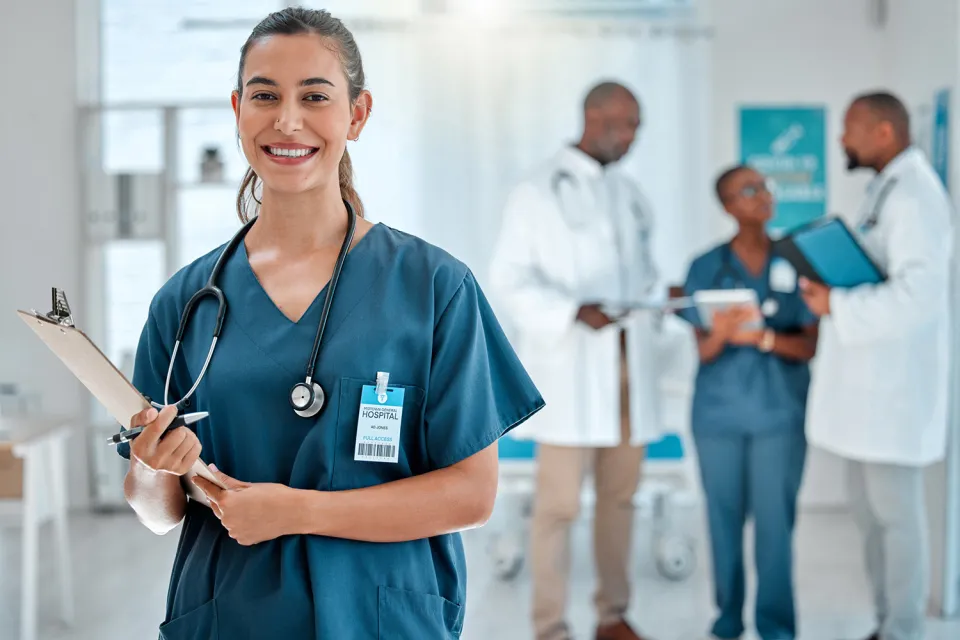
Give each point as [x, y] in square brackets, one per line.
[347, 192]
[248, 192]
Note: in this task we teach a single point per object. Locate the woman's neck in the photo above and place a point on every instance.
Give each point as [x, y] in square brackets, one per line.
[301, 222]
[751, 239]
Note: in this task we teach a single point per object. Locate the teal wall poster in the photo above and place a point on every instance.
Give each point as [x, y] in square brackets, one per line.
[788, 146]
[940, 143]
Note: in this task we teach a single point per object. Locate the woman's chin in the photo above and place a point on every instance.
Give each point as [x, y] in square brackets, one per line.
[289, 185]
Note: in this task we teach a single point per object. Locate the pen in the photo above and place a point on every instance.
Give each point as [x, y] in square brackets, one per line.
[180, 421]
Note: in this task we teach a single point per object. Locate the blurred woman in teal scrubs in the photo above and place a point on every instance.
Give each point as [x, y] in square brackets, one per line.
[320, 533]
[748, 410]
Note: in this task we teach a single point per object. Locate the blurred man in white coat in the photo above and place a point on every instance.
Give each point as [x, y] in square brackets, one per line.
[880, 382]
[572, 258]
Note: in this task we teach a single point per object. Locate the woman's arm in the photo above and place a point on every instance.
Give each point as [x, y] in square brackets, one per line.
[157, 498]
[438, 502]
[443, 501]
[710, 345]
[797, 346]
[789, 346]
[152, 484]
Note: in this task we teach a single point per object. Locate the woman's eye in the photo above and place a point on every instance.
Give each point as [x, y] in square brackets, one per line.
[316, 97]
[261, 96]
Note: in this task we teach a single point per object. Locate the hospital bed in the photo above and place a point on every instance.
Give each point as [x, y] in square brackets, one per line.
[669, 478]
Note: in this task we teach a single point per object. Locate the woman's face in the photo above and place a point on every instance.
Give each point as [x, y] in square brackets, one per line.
[748, 199]
[295, 115]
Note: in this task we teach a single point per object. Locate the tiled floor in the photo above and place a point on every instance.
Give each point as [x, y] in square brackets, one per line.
[121, 572]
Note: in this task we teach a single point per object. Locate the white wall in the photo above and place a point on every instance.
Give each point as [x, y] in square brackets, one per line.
[793, 52]
[920, 48]
[40, 228]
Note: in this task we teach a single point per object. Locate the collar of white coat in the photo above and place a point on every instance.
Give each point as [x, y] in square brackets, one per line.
[576, 160]
[903, 159]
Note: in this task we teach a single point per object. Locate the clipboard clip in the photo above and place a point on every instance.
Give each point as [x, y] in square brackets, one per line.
[60, 312]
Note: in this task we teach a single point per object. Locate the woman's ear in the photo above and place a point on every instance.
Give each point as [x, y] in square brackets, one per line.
[235, 103]
[360, 114]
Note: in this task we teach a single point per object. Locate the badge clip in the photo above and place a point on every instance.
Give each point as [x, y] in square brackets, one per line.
[383, 378]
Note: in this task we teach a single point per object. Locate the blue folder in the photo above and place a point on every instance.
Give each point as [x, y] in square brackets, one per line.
[826, 251]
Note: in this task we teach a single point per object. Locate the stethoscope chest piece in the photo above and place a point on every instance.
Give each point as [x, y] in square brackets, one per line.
[770, 307]
[307, 399]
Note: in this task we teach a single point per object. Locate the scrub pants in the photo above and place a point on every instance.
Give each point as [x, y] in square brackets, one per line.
[755, 475]
[889, 506]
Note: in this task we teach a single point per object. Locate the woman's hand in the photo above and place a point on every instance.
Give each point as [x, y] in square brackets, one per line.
[173, 452]
[747, 338]
[726, 323]
[250, 513]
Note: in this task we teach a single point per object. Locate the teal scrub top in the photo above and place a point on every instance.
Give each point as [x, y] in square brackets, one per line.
[745, 391]
[402, 306]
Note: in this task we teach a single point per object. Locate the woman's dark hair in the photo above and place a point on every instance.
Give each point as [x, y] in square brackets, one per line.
[296, 21]
[721, 184]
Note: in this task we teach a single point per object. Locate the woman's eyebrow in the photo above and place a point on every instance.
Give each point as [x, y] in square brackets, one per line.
[273, 83]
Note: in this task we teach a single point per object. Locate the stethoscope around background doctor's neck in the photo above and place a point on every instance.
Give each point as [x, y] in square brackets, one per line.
[728, 273]
[870, 220]
[307, 397]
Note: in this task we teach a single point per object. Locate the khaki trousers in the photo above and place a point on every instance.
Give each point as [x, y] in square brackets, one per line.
[560, 472]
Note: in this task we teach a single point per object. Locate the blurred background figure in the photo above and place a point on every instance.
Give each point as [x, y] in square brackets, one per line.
[573, 258]
[748, 410]
[880, 388]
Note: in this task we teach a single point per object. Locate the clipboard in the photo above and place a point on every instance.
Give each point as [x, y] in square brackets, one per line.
[826, 251]
[99, 375]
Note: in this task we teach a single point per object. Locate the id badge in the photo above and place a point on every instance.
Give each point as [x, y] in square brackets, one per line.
[378, 425]
[783, 277]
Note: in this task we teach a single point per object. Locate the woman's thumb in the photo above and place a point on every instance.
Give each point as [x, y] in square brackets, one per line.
[228, 482]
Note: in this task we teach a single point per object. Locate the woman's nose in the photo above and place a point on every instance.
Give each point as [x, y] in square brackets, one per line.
[290, 119]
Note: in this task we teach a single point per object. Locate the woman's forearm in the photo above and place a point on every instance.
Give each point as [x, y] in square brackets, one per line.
[432, 504]
[157, 498]
[795, 346]
[710, 345]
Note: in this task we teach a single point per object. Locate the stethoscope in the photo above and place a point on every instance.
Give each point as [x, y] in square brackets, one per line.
[871, 219]
[307, 397]
[562, 176]
[769, 307]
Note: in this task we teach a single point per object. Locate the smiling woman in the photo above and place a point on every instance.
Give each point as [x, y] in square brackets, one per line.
[341, 514]
[273, 126]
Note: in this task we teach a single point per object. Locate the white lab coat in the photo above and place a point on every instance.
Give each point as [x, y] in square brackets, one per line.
[880, 379]
[576, 233]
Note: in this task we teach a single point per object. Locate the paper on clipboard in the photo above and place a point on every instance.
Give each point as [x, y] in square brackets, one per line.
[102, 379]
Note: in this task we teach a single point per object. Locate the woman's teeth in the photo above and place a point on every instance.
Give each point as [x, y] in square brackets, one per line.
[289, 153]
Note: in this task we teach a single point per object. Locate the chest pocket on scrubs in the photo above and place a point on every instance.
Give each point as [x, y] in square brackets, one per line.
[349, 473]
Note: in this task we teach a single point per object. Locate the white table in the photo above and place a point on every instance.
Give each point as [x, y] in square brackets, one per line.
[40, 443]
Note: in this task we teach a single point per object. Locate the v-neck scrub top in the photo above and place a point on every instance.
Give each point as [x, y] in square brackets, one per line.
[745, 391]
[401, 306]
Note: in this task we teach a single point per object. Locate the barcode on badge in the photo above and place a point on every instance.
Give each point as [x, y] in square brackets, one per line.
[384, 451]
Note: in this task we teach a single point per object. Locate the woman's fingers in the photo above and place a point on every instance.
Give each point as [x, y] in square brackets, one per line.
[182, 458]
[142, 418]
